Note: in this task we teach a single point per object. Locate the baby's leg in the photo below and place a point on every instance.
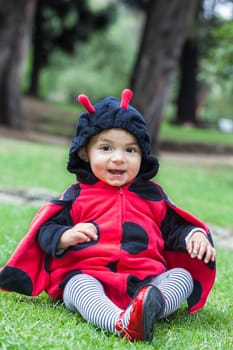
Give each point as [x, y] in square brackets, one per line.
[176, 286]
[86, 295]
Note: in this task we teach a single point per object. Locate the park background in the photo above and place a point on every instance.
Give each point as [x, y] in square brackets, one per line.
[178, 58]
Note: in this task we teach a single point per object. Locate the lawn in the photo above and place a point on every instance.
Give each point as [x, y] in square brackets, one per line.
[170, 132]
[39, 323]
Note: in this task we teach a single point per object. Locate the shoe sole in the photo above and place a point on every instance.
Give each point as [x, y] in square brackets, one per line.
[149, 314]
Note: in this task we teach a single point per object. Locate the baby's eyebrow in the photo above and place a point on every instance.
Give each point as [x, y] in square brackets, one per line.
[104, 140]
[132, 144]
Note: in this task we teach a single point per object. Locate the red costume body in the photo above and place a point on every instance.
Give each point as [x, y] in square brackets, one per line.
[140, 235]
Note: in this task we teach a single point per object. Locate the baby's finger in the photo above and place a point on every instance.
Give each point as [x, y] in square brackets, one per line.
[210, 254]
[190, 247]
[194, 254]
[194, 249]
[204, 250]
[88, 229]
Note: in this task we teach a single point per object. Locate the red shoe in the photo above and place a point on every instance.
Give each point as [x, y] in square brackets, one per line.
[142, 316]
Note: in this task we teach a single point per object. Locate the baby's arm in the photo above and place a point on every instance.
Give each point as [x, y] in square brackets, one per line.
[198, 245]
[59, 233]
[80, 233]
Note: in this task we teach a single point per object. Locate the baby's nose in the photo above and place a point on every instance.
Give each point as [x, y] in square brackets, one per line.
[118, 156]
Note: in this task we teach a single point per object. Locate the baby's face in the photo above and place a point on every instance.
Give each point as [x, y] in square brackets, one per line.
[115, 156]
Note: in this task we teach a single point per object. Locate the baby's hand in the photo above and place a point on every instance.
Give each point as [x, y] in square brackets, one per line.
[198, 245]
[80, 233]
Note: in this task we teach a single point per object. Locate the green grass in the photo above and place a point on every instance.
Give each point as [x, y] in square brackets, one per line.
[178, 133]
[39, 323]
[205, 189]
[26, 164]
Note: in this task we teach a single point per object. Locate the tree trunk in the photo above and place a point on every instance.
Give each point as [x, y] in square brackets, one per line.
[166, 28]
[187, 95]
[15, 24]
[38, 51]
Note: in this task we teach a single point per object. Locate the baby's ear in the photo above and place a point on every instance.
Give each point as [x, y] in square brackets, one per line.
[82, 153]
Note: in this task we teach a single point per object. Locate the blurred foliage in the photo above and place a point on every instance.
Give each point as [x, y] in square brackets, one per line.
[60, 25]
[103, 65]
[100, 67]
[218, 61]
[217, 72]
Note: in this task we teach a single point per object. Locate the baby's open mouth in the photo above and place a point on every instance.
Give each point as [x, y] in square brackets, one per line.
[116, 171]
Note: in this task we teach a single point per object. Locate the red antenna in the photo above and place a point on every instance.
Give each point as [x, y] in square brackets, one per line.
[85, 102]
[126, 96]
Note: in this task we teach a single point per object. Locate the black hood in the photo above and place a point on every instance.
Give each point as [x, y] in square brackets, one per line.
[107, 114]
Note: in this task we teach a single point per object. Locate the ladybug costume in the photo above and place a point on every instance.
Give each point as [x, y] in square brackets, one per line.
[141, 233]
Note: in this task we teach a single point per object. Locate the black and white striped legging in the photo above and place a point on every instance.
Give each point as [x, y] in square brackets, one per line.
[85, 294]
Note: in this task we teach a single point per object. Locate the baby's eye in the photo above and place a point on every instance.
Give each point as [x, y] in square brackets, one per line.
[131, 149]
[105, 148]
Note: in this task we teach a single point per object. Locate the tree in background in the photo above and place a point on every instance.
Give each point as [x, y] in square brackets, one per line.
[164, 34]
[166, 28]
[204, 40]
[16, 18]
[59, 25]
[186, 102]
[200, 43]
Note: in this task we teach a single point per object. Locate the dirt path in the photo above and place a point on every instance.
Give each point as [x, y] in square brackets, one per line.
[193, 158]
